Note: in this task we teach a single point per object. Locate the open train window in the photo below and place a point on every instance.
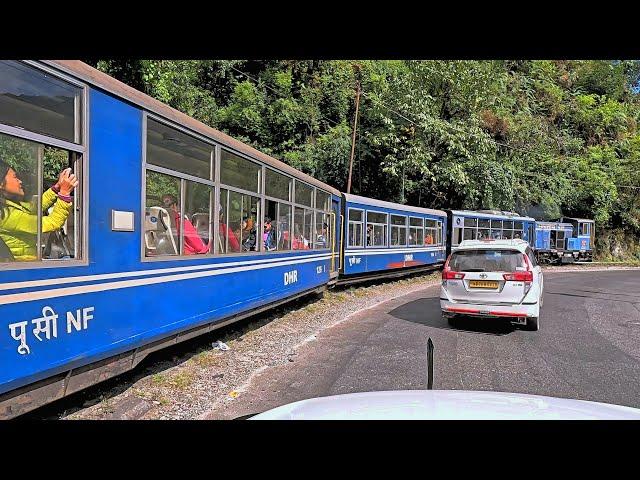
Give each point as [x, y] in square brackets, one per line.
[40, 212]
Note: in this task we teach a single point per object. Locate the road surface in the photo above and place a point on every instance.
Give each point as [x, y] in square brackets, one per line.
[588, 347]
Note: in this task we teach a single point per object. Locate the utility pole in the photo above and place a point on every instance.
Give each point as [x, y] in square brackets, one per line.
[353, 138]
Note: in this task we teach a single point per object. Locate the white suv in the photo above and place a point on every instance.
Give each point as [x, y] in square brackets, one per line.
[493, 278]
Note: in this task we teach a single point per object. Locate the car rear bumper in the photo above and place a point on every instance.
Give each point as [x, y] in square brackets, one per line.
[496, 311]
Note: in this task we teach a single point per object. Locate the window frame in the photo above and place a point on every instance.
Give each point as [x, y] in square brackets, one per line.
[386, 225]
[392, 226]
[362, 224]
[416, 227]
[80, 151]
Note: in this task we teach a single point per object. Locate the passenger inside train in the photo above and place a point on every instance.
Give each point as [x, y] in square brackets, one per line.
[228, 240]
[269, 235]
[249, 234]
[19, 219]
[193, 244]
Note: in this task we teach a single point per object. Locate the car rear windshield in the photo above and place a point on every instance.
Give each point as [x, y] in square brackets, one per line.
[487, 261]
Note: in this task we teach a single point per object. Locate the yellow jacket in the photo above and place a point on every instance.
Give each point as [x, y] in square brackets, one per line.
[19, 225]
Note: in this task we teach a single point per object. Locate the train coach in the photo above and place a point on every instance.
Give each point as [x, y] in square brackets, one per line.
[173, 230]
[581, 242]
[488, 224]
[387, 239]
[551, 241]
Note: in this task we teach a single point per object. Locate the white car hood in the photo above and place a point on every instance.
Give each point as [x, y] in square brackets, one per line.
[446, 405]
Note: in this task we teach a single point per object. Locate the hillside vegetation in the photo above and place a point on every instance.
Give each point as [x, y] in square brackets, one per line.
[547, 138]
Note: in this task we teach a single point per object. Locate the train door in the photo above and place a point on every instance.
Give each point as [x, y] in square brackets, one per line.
[335, 238]
[560, 240]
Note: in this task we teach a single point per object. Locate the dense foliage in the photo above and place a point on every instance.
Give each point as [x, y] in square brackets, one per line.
[547, 138]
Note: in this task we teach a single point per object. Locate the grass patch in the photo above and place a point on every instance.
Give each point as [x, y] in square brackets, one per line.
[182, 380]
[206, 358]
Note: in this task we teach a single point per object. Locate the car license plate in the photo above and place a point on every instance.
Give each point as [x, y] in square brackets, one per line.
[483, 284]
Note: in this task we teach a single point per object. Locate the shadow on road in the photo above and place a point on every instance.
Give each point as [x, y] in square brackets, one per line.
[426, 311]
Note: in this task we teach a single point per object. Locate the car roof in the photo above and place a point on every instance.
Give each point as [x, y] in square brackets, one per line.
[493, 244]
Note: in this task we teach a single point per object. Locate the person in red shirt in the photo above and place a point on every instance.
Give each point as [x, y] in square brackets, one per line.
[227, 233]
[193, 244]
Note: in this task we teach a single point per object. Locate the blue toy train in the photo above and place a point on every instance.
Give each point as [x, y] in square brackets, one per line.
[172, 229]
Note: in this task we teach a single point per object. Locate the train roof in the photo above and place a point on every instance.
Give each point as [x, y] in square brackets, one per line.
[580, 219]
[101, 80]
[503, 215]
[556, 225]
[397, 206]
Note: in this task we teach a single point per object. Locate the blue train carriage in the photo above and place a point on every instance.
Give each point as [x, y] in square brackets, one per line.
[174, 229]
[582, 241]
[551, 240]
[487, 224]
[387, 239]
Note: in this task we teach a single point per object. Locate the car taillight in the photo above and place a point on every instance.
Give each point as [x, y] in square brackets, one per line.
[448, 274]
[526, 276]
[519, 276]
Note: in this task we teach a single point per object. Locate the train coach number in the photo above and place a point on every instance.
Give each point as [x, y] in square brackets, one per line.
[408, 258]
[290, 277]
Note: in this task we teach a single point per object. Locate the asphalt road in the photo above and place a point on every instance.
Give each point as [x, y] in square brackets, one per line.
[588, 347]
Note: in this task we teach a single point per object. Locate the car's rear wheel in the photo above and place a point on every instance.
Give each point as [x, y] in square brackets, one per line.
[533, 324]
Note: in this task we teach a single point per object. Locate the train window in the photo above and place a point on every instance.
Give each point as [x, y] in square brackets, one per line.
[170, 148]
[483, 223]
[497, 234]
[355, 215]
[269, 228]
[456, 237]
[439, 231]
[239, 172]
[469, 234]
[508, 224]
[55, 236]
[355, 228]
[398, 230]
[302, 224]
[483, 233]
[376, 229]
[227, 240]
[431, 231]
[323, 201]
[584, 229]
[496, 224]
[321, 237]
[517, 225]
[416, 236]
[196, 221]
[304, 194]
[162, 211]
[283, 227]
[36, 101]
[277, 185]
[470, 222]
[244, 212]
